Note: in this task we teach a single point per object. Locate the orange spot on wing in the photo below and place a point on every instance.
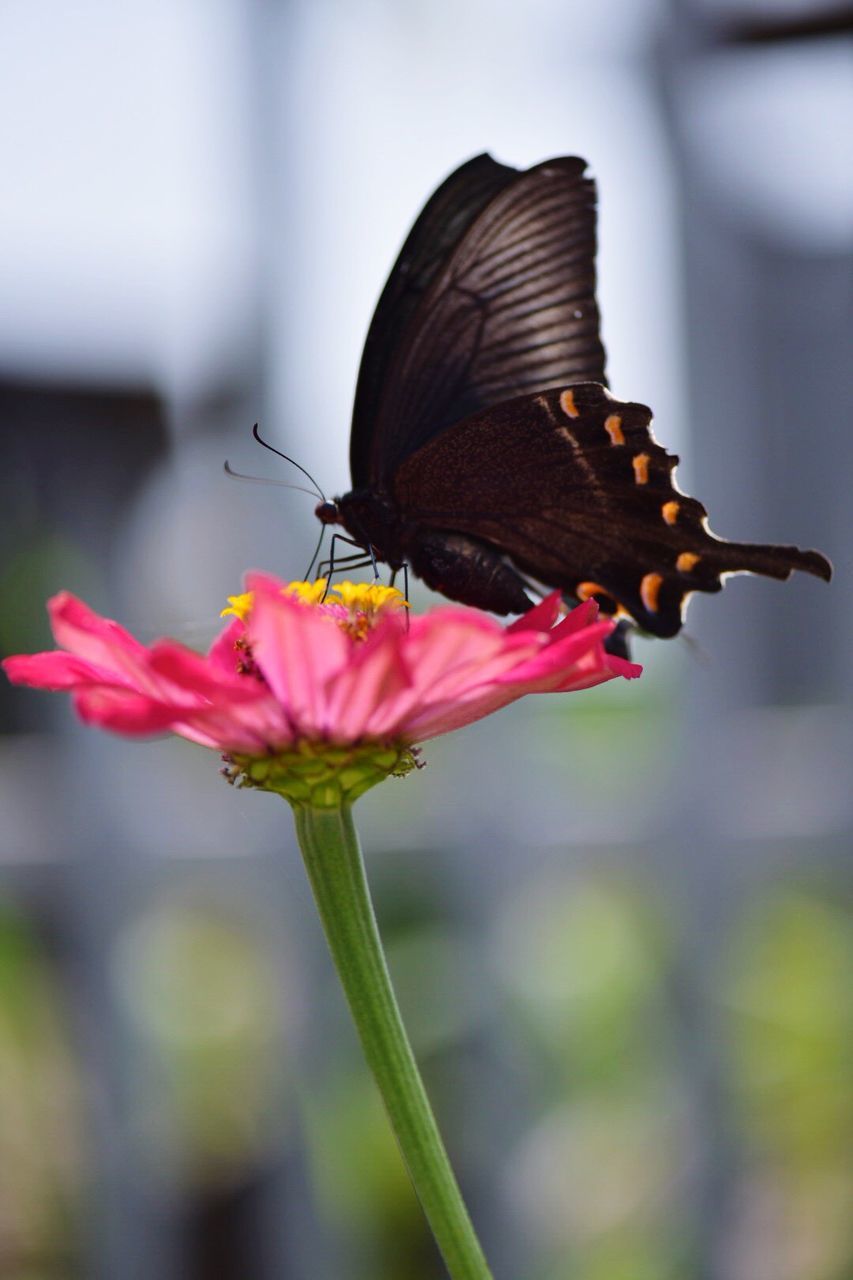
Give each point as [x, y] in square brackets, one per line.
[641, 468]
[584, 590]
[670, 511]
[567, 404]
[650, 590]
[686, 561]
[613, 427]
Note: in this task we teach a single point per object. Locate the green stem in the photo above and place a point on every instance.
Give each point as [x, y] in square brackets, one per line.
[335, 868]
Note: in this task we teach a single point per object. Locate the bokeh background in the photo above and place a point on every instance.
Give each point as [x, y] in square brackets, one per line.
[619, 923]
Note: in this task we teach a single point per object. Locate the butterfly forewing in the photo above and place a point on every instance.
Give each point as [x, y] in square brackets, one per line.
[441, 224]
[507, 307]
[571, 485]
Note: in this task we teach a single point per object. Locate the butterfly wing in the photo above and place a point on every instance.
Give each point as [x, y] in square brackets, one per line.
[440, 225]
[493, 295]
[573, 487]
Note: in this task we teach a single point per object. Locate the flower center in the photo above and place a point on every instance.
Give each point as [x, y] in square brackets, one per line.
[359, 605]
[354, 606]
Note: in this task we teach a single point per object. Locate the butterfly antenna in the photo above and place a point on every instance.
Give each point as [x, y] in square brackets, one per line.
[256, 433]
[279, 484]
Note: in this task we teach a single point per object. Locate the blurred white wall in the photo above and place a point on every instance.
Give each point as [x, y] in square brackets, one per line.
[383, 100]
[126, 214]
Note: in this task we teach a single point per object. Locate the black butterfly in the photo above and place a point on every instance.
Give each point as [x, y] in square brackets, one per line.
[486, 449]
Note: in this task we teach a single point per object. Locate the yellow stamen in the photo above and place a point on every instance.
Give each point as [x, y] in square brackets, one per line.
[369, 597]
[363, 601]
[239, 606]
[308, 592]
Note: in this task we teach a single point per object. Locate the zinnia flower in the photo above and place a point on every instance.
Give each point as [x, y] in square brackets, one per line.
[317, 698]
[294, 677]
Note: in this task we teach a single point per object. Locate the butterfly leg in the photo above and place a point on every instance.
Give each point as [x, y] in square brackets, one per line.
[391, 582]
[465, 569]
[406, 593]
[307, 573]
[327, 567]
[364, 556]
[404, 569]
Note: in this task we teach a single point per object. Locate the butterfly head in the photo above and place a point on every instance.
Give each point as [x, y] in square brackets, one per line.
[328, 512]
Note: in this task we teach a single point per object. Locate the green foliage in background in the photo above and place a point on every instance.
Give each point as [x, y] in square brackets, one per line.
[43, 1173]
[599, 1172]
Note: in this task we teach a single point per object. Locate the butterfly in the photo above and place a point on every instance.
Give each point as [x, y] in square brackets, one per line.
[487, 452]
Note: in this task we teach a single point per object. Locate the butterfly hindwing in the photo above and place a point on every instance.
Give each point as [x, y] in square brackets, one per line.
[493, 296]
[571, 485]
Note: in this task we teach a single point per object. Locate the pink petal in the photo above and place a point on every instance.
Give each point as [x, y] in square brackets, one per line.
[572, 658]
[443, 717]
[193, 674]
[119, 657]
[592, 670]
[598, 666]
[582, 615]
[222, 654]
[623, 667]
[445, 670]
[122, 711]
[221, 708]
[449, 651]
[257, 728]
[455, 657]
[298, 648]
[456, 668]
[367, 697]
[540, 618]
[563, 653]
[87, 635]
[53, 670]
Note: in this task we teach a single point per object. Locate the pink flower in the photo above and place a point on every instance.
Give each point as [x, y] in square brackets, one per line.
[288, 670]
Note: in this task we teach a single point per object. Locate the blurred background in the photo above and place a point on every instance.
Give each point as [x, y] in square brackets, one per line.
[619, 923]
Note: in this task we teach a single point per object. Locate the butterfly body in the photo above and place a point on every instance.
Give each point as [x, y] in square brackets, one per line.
[487, 452]
[460, 566]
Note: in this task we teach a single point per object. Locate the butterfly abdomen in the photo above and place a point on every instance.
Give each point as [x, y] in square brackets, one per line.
[467, 569]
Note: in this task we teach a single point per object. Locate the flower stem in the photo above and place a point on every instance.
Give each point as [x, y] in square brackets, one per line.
[330, 847]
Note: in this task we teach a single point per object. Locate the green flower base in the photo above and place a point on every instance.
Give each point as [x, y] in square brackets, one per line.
[319, 775]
